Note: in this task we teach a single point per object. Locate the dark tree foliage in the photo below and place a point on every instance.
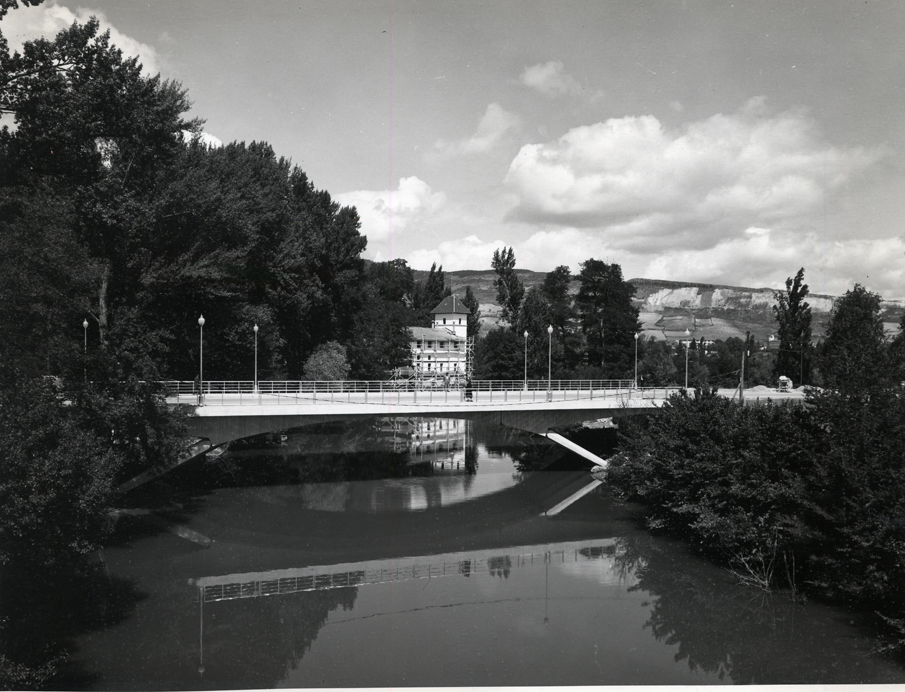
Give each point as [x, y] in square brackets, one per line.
[808, 497]
[854, 359]
[382, 339]
[84, 113]
[474, 312]
[243, 238]
[860, 489]
[428, 295]
[897, 354]
[657, 367]
[169, 231]
[510, 289]
[556, 292]
[729, 476]
[45, 275]
[499, 356]
[793, 317]
[535, 317]
[56, 476]
[608, 319]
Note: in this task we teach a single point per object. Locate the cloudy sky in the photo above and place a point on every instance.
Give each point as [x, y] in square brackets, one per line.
[684, 140]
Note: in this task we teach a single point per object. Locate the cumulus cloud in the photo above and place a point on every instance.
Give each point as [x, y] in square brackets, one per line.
[47, 20]
[761, 257]
[493, 127]
[757, 257]
[643, 184]
[551, 79]
[453, 255]
[206, 138]
[386, 213]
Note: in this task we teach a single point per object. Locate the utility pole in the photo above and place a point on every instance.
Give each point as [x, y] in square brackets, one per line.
[741, 380]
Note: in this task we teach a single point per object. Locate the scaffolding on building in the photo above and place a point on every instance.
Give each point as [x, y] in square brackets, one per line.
[469, 359]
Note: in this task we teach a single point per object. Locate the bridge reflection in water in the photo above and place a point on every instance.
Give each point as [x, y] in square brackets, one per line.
[286, 581]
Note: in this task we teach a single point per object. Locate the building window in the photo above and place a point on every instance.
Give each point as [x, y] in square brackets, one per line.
[444, 320]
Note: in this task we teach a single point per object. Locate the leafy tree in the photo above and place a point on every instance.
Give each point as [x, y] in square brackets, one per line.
[854, 354]
[897, 353]
[510, 289]
[243, 237]
[656, 367]
[382, 338]
[608, 318]
[499, 356]
[56, 476]
[428, 295]
[474, 312]
[535, 316]
[726, 476]
[328, 362]
[793, 315]
[555, 289]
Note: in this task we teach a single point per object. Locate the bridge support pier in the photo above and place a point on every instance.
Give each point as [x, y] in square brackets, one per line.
[572, 447]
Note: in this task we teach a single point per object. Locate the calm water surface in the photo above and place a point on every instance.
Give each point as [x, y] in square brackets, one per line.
[401, 553]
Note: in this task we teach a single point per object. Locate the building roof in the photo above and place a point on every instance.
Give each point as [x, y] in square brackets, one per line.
[428, 334]
[450, 305]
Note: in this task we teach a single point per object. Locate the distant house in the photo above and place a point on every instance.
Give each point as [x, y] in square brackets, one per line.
[443, 349]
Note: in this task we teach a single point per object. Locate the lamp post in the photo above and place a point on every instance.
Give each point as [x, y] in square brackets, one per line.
[602, 351]
[636, 359]
[550, 362]
[687, 334]
[85, 352]
[526, 360]
[256, 357]
[201, 361]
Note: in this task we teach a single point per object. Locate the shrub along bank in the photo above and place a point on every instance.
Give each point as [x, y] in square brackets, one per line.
[804, 497]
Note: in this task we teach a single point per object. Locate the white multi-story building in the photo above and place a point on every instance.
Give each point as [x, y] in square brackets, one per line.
[441, 350]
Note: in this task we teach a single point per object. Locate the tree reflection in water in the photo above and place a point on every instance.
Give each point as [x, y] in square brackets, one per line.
[739, 633]
[255, 642]
[51, 608]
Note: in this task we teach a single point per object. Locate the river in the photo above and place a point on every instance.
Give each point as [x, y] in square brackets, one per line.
[418, 553]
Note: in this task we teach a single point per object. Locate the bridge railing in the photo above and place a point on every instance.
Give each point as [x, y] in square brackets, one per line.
[246, 392]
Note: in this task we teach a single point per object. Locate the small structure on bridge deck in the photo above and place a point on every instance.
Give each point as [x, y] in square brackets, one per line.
[443, 350]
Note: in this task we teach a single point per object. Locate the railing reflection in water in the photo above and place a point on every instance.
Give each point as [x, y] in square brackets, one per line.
[257, 585]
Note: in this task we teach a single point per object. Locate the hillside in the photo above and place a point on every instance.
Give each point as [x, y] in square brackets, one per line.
[668, 308]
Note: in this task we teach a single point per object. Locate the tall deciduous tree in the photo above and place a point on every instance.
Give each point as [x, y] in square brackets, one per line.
[535, 317]
[854, 360]
[428, 295]
[474, 312]
[382, 338]
[498, 356]
[510, 289]
[608, 318]
[793, 316]
[555, 289]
